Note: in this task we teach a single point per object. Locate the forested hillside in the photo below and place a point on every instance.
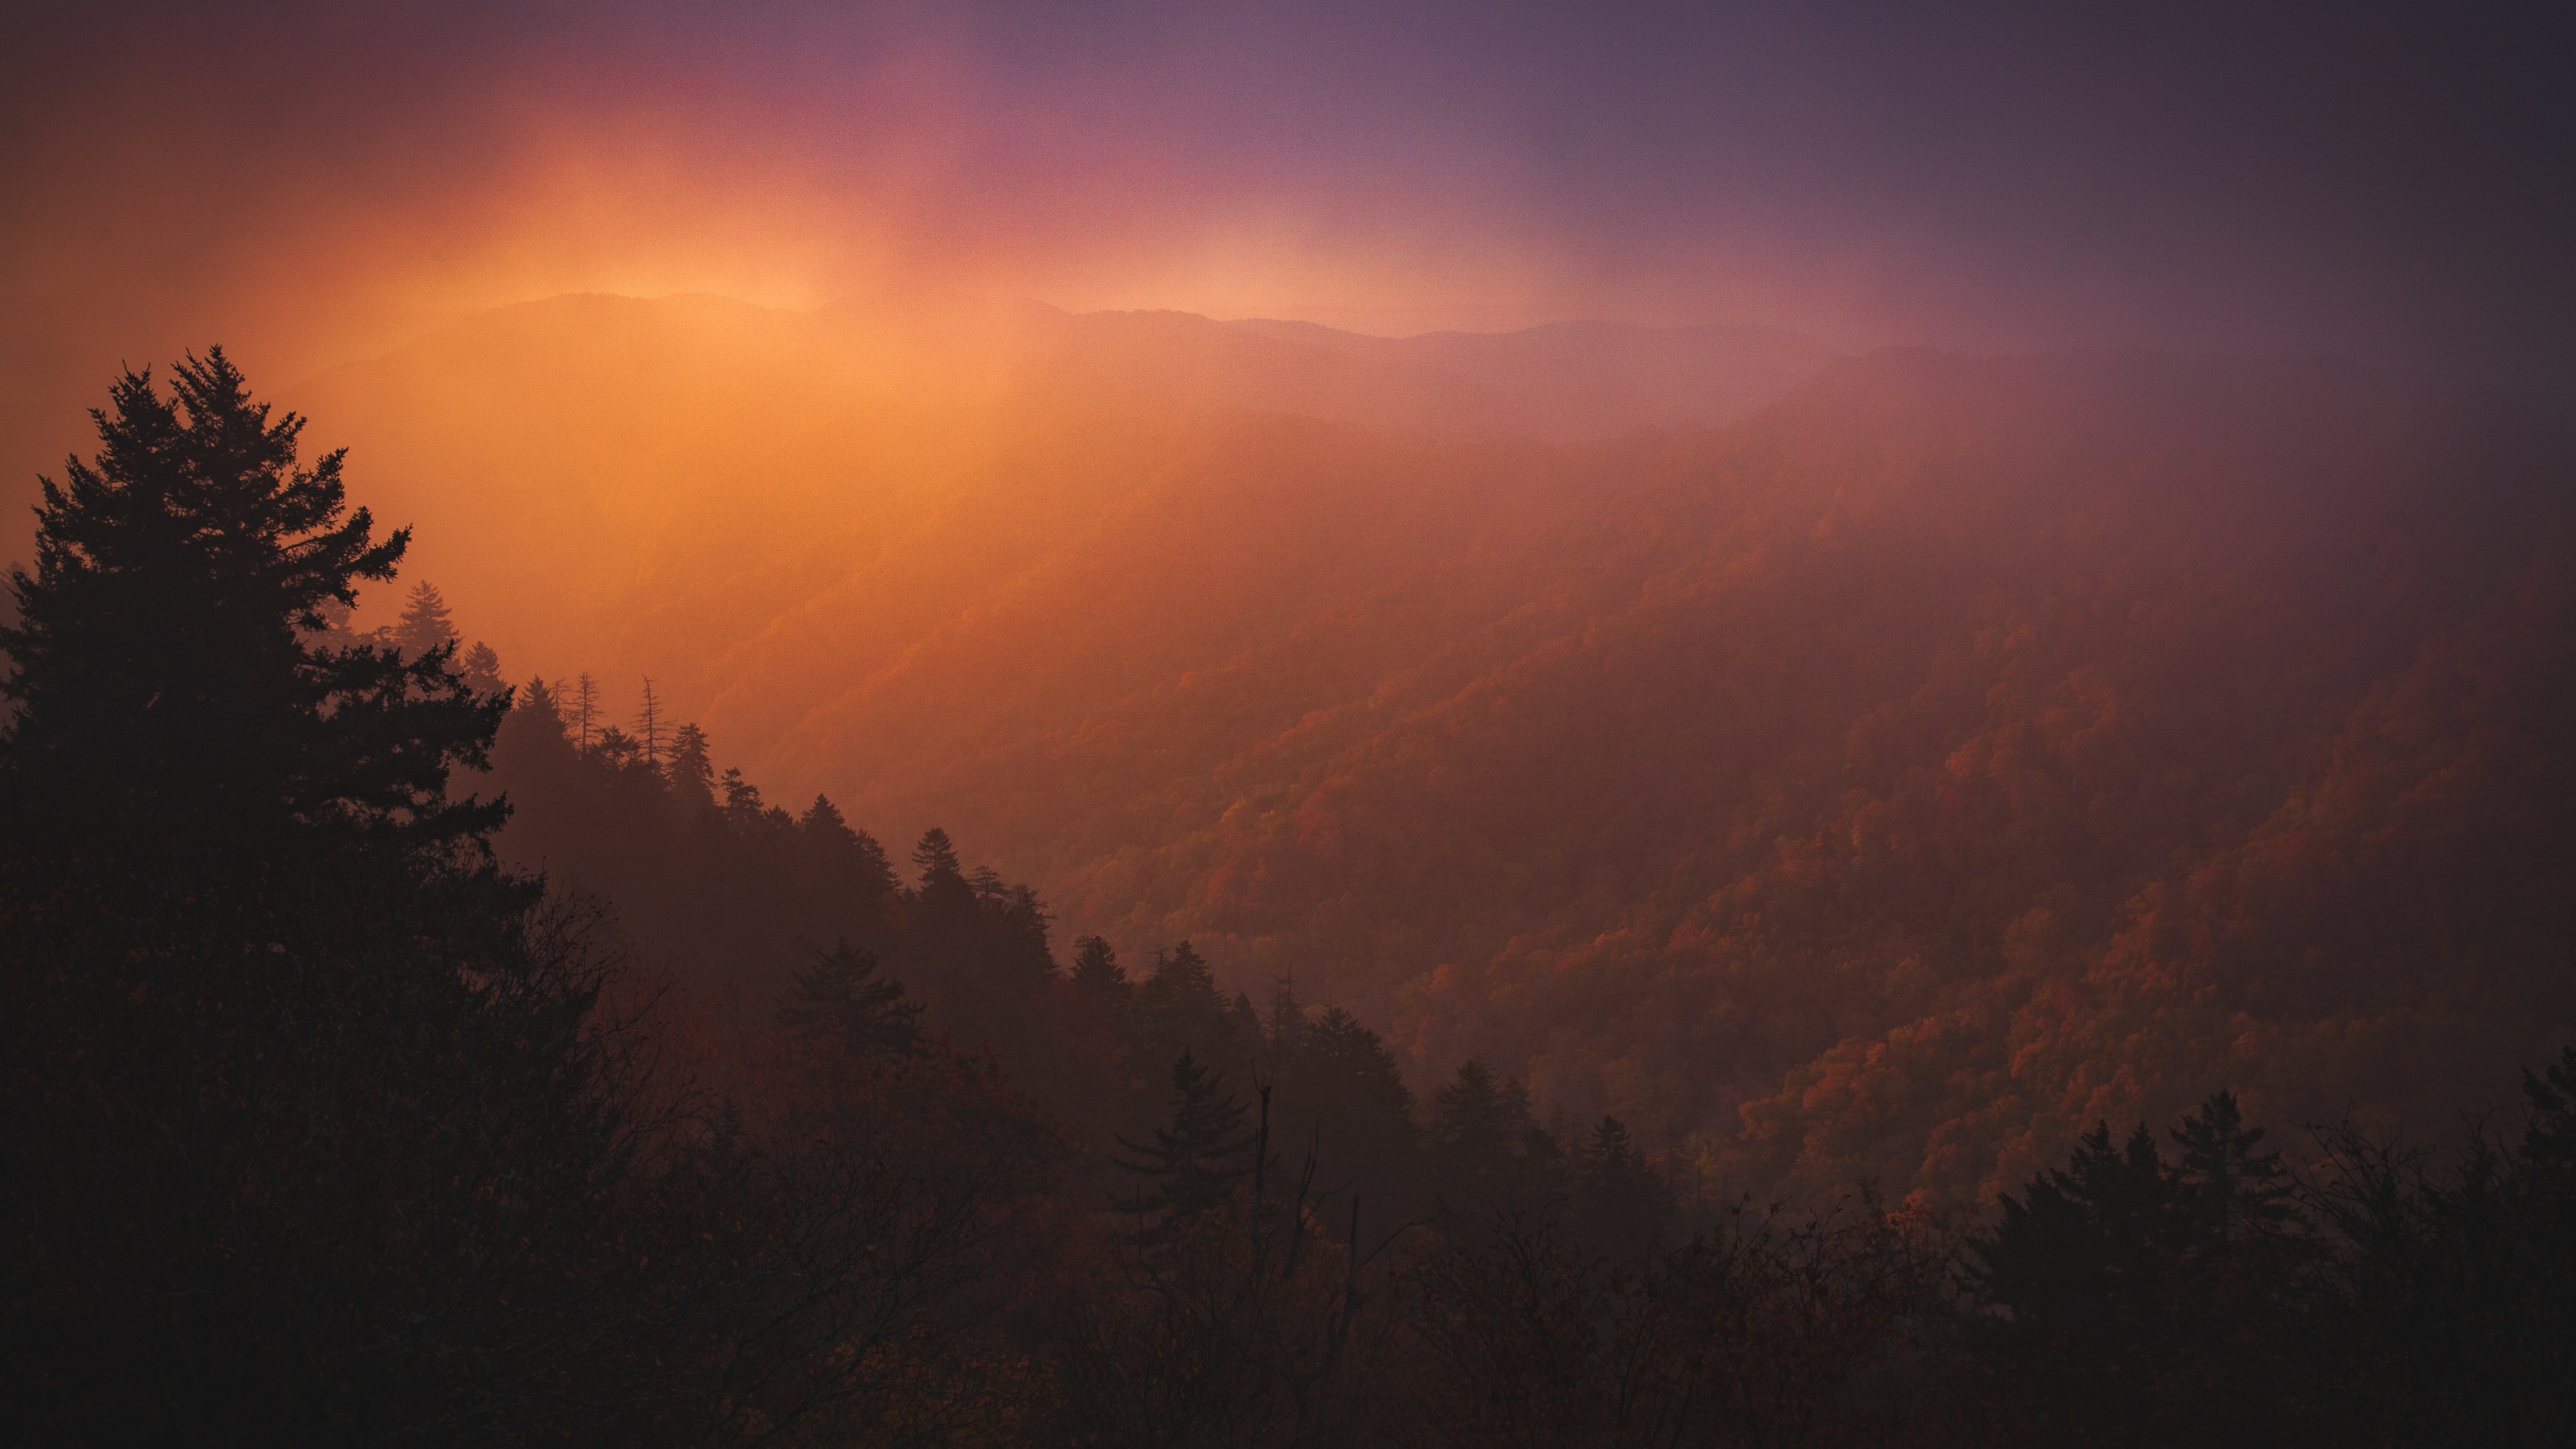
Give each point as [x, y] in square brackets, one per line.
[748, 726]
[1886, 784]
[1892, 784]
[708, 1123]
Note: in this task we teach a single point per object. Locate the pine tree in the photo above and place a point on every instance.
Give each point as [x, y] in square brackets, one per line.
[1096, 972]
[1490, 1152]
[1339, 1053]
[849, 863]
[2226, 1188]
[298, 1094]
[840, 998]
[1622, 1203]
[946, 897]
[1182, 973]
[1178, 1007]
[2078, 1266]
[616, 748]
[541, 700]
[482, 669]
[1192, 1165]
[425, 624]
[166, 659]
[1341, 1093]
[742, 802]
[692, 769]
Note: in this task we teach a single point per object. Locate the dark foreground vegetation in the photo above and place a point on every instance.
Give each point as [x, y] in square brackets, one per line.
[321, 1125]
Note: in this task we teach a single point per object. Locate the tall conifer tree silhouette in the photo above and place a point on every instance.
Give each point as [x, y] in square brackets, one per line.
[947, 898]
[1192, 1164]
[1490, 1152]
[692, 770]
[481, 667]
[270, 997]
[1623, 1202]
[841, 998]
[425, 623]
[167, 657]
[1096, 972]
[2227, 1187]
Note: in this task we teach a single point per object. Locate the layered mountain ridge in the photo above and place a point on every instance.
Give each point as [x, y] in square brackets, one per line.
[1865, 768]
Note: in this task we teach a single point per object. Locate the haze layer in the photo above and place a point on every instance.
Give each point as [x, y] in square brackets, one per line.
[1881, 766]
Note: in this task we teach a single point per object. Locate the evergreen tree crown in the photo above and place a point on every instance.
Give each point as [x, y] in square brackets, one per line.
[174, 652]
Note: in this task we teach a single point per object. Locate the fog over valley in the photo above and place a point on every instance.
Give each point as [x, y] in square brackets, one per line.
[1321, 727]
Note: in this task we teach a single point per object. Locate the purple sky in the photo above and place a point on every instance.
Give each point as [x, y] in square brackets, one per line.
[2389, 183]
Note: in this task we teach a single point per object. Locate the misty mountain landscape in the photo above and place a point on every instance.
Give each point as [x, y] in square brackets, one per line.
[1315, 727]
[1819, 782]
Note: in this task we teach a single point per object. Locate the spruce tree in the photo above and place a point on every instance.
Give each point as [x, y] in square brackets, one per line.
[841, 999]
[848, 864]
[1623, 1205]
[425, 624]
[168, 657]
[2077, 1265]
[1341, 1094]
[742, 803]
[616, 748]
[936, 858]
[692, 769]
[2231, 1261]
[1182, 974]
[1178, 1007]
[2082, 1244]
[1490, 1153]
[304, 1109]
[945, 896]
[541, 700]
[481, 667]
[1097, 976]
[8, 621]
[1192, 1165]
[2227, 1189]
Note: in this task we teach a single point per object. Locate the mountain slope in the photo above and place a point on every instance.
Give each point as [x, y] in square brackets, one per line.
[1885, 783]
[758, 506]
[1928, 719]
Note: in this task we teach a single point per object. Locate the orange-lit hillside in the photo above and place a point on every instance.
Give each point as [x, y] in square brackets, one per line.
[772, 513]
[1886, 784]
[1270, 726]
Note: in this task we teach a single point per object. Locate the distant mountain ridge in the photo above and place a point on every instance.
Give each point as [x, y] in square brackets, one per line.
[1561, 382]
[763, 462]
